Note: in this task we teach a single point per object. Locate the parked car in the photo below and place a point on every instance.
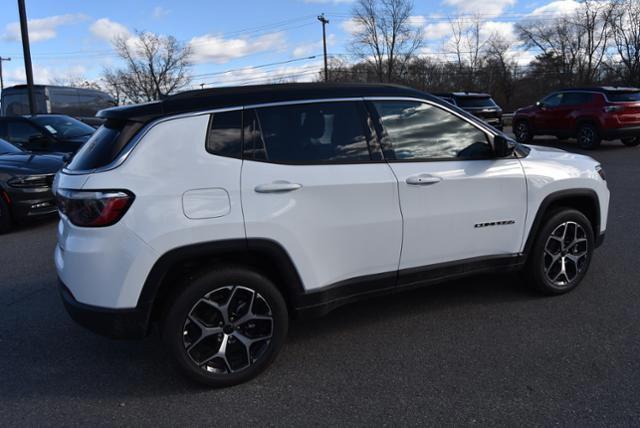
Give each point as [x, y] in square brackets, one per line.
[478, 104]
[588, 114]
[45, 132]
[81, 103]
[25, 184]
[219, 214]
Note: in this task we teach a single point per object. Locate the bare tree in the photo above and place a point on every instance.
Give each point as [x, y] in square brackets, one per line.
[385, 35]
[626, 36]
[467, 46]
[154, 66]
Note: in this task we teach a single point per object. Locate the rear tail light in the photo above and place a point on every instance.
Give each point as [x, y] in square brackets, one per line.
[94, 208]
[613, 109]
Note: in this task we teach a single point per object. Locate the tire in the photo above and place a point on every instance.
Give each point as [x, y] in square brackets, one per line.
[588, 136]
[630, 141]
[5, 217]
[204, 303]
[544, 268]
[523, 133]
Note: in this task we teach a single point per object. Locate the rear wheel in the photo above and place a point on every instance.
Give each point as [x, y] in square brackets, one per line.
[561, 254]
[5, 217]
[226, 326]
[522, 131]
[588, 136]
[631, 141]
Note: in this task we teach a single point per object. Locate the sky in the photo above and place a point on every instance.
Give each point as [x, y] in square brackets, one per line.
[233, 41]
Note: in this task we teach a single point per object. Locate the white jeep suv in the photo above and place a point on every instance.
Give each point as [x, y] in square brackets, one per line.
[221, 214]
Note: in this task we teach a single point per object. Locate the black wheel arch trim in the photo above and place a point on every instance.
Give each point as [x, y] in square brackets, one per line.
[557, 197]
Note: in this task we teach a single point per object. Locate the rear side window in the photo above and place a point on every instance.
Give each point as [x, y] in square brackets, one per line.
[225, 134]
[104, 146]
[623, 96]
[20, 131]
[314, 133]
[576, 98]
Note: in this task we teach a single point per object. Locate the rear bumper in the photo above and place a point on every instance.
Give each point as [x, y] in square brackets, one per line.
[113, 323]
[616, 133]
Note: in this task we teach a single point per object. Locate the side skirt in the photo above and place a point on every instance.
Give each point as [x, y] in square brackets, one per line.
[323, 301]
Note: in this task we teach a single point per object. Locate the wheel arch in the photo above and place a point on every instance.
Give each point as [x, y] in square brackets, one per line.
[584, 200]
[262, 255]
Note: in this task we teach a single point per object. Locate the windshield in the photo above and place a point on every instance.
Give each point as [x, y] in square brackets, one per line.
[6, 147]
[476, 102]
[64, 126]
[623, 96]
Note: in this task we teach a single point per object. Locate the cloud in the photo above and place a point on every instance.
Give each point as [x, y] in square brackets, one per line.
[488, 9]
[160, 12]
[41, 28]
[417, 20]
[505, 30]
[314, 48]
[255, 76]
[218, 50]
[351, 26]
[108, 30]
[556, 8]
[42, 75]
[438, 30]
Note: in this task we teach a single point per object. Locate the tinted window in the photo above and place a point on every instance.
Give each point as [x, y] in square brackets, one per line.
[225, 134]
[16, 102]
[419, 131]
[19, 131]
[623, 96]
[576, 98]
[63, 126]
[104, 146]
[63, 100]
[553, 100]
[6, 147]
[475, 102]
[314, 133]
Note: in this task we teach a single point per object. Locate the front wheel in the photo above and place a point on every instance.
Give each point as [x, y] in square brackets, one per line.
[226, 326]
[631, 141]
[561, 254]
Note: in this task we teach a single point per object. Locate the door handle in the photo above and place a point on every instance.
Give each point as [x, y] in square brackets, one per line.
[423, 179]
[277, 187]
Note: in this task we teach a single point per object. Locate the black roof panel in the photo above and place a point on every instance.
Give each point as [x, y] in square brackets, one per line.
[208, 99]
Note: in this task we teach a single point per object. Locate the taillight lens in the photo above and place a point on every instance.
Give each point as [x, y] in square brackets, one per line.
[94, 208]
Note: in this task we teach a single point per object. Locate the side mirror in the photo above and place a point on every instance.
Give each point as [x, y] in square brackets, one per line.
[502, 147]
[540, 105]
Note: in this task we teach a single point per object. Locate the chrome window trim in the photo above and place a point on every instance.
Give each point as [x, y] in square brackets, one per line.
[131, 145]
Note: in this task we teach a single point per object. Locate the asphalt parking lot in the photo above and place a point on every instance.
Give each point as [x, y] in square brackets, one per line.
[481, 351]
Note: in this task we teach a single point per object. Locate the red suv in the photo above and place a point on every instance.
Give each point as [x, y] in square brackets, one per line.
[588, 114]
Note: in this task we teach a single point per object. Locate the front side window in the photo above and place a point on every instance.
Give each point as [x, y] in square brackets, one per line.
[421, 132]
[553, 100]
[225, 134]
[19, 131]
[314, 133]
[576, 98]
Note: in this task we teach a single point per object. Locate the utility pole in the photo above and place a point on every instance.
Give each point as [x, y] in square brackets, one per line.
[324, 21]
[2, 81]
[27, 55]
